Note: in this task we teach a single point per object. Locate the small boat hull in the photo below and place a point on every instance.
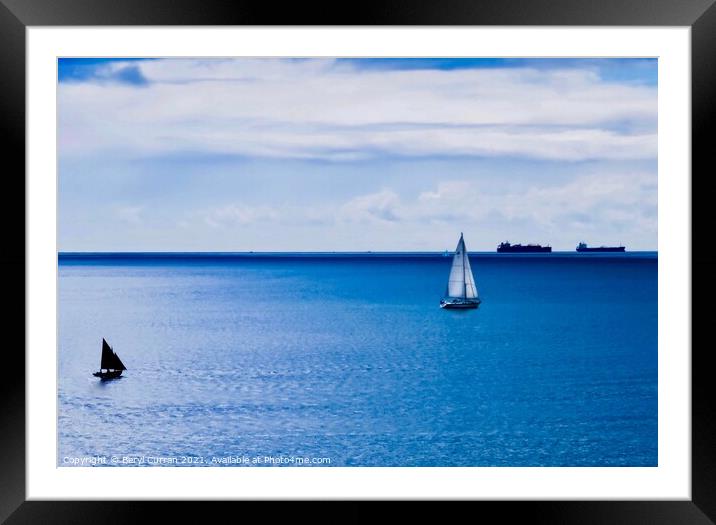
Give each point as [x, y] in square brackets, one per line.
[110, 374]
[459, 303]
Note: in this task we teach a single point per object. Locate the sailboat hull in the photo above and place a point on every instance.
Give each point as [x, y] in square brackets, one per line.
[110, 374]
[459, 303]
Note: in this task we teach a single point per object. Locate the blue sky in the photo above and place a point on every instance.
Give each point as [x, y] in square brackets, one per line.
[355, 154]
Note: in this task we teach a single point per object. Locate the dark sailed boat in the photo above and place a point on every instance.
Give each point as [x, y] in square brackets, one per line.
[582, 247]
[506, 247]
[111, 365]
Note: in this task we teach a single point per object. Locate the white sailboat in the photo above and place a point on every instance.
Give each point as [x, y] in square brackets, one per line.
[461, 289]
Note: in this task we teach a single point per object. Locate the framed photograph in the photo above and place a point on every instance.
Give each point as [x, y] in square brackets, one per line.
[408, 256]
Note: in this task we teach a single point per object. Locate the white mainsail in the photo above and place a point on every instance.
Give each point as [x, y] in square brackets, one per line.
[461, 282]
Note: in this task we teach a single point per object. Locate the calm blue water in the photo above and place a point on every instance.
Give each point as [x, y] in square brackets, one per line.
[351, 359]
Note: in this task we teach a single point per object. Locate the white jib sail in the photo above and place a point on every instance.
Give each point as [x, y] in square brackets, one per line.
[470, 288]
[461, 283]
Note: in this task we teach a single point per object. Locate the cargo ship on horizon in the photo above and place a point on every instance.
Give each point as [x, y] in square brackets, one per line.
[582, 247]
[506, 247]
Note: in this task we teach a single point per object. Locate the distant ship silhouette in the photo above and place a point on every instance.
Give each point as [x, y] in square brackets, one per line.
[506, 247]
[582, 247]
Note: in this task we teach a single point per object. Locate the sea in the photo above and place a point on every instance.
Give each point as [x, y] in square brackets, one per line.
[335, 360]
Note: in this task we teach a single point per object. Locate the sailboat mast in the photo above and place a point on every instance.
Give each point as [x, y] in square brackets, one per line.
[464, 283]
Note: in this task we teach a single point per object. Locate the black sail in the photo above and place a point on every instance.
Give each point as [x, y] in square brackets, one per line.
[107, 356]
[117, 363]
[110, 360]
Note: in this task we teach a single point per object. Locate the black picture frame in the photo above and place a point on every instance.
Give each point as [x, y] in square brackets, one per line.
[17, 15]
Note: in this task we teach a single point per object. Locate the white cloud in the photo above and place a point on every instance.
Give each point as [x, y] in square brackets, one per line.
[376, 207]
[589, 206]
[312, 109]
[129, 214]
[588, 202]
[240, 215]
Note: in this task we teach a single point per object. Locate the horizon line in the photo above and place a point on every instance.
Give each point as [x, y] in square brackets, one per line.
[336, 252]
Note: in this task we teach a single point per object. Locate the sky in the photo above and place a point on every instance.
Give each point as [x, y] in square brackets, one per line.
[321, 154]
